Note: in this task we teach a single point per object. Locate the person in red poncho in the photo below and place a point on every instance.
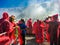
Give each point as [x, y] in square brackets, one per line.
[29, 25]
[15, 32]
[58, 35]
[39, 32]
[12, 26]
[1, 21]
[34, 27]
[12, 23]
[52, 30]
[47, 20]
[4, 27]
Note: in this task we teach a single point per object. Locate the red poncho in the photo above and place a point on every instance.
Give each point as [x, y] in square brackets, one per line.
[39, 32]
[5, 27]
[12, 25]
[1, 21]
[47, 34]
[4, 40]
[18, 34]
[4, 17]
[34, 28]
[58, 31]
[29, 25]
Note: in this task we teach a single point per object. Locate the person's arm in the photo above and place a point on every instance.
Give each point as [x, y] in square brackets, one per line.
[3, 33]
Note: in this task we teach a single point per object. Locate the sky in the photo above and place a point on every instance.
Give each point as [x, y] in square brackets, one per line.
[16, 3]
[13, 3]
[35, 9]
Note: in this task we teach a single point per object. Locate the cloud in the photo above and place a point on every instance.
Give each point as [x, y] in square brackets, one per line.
[41, 10]
[11, 11]
[35, 9]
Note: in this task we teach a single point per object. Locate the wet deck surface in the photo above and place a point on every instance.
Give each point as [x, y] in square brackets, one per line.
[30, 40]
